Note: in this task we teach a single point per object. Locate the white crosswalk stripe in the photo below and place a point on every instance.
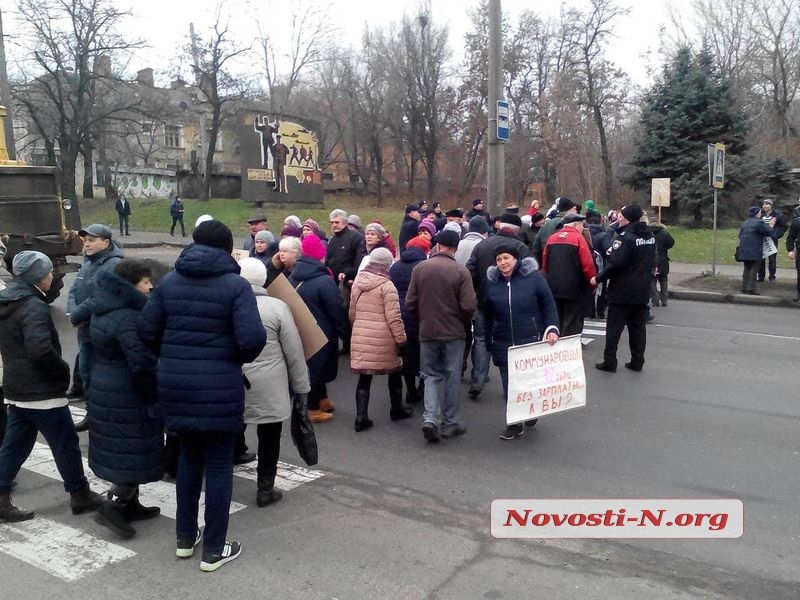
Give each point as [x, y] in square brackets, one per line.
[592, 329]
[69, 553]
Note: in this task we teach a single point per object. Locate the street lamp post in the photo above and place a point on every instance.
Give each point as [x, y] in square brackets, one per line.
[495, 177]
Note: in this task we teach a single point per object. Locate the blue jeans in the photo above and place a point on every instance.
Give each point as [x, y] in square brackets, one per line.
[480, 355]
[440, 366]
[209, 453]
[55, 424]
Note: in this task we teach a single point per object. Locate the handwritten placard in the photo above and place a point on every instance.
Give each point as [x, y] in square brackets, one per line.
[544, 379]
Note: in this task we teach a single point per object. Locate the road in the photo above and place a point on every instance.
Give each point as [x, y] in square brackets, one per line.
[713, 415]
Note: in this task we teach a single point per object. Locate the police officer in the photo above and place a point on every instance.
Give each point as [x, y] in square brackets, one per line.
[629, 268]
[793, 246]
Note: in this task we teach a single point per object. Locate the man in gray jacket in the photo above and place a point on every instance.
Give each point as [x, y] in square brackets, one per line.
[442, 297]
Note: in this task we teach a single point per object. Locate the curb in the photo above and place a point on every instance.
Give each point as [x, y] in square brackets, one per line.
[703, 296]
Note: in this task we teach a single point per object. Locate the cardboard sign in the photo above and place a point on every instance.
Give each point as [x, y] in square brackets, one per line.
[769, 247]
[311, 334]
[544, 379]
[660, 191]
[239, 255]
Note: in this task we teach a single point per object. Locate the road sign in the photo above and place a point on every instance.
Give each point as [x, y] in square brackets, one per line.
[717, 167]
[502, 120]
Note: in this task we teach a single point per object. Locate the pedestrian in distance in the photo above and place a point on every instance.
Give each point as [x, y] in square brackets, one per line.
[123, 208]
[126, 440]
[378, 337]
[176, 211]
[203, 322]
[751, 248]
[793, 246]
[35, 378]
[518, 309]
[277, 372]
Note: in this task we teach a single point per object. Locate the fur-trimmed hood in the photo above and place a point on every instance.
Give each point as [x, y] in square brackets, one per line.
[524, 267]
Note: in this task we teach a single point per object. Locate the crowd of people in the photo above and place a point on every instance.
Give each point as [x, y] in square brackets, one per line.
[207, 350]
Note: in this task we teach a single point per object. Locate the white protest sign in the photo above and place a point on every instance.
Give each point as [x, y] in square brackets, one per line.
[769, 247]
[545, 379]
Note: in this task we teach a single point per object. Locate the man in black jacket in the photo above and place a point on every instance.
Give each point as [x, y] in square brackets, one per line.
[778, 229]
[35, 379]
[346, 250]
[630, 261]
[408, 229]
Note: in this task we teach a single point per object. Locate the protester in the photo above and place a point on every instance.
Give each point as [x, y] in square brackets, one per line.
[442, 298]
[563, 206]
[793, 246]
[271, 378]
[659, 291]
[257, 223]
[126, 440]
[518, 309]
[176, 211]
[35, 378]
[777, 222]
[410, 225]
[751, 248]
[378, 337]
[203, 321]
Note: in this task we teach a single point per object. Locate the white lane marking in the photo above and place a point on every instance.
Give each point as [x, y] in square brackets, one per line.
[733, 331]
[587, 331]
[60, 550]
[158, 493]
[289, 476]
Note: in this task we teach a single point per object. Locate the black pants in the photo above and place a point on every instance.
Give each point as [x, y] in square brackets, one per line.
[634, 316]
[269, 449]
[797, 267]
[176, 220]
[395, 382]
[656, 296]
[3, 417]
[123, 224]
[240, 446]
[750, 269]
[570, 315]
[772, 261]
[317, 393]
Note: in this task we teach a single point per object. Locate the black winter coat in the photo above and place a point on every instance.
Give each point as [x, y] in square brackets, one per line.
[664, 241]
[203, 322]
[751, 239]
[321, 294]
[629, 265]
[408, 230]
[400, 274]
[345, 252]
[126, 436]
[32, 365]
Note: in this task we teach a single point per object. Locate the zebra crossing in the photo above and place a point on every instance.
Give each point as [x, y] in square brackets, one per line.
[68, 553]
[592, 329]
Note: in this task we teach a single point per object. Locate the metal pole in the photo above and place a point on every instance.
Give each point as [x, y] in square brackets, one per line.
[5, 96]
[714, 242]
[201, 163]
[495, 164]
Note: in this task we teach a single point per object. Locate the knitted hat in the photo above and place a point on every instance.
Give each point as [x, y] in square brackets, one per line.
[753, 211]
[265, 236]
[313, 247]
[215, 234]
[563, 204]
[377, 228]
[411, 208]
[419, 242]
[354, 220]
[632, 212]
[478, 225]
[291, 230]
[31, 266]
[506, 249]
[254, 271]
[381, 259]
[476, 202]
[427, 226]
[511, 219]
[202, 219]
[590, 205]
[455, 212]
[455, 227]
[448, 238]
[293, 220]
[312, 225]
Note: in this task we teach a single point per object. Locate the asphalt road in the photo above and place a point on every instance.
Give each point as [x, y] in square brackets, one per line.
[713, 415]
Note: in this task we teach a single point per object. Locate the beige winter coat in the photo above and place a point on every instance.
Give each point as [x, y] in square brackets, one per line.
[377, 325]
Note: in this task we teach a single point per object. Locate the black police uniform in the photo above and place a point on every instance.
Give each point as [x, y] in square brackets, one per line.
[629, 269]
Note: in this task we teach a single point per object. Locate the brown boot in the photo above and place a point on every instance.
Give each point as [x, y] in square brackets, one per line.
[326, 405]
[319, 416]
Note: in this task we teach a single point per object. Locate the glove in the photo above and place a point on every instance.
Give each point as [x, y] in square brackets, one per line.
[401, 348]
[301, 403]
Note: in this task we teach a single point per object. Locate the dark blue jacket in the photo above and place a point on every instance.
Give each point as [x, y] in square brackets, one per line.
[80, 304]
[319, 291]
[32, 365]
[126, 437]
[518, 311]
[629, 265]
[400, 274]
[751, 239]
[408, 230]
[203, 322]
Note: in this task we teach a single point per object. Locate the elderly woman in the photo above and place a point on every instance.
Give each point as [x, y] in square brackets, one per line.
[315, 285]
[427, 230]
[311, 227]
[378, 337]
[374, 237]
[751, 247]
[126, 437]
[519, 309]
[262, 246]
[279, 371]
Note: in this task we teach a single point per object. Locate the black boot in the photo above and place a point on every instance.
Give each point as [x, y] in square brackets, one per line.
[10, 513]
[134, 510]
[82, 425]
[114, 515]
[399, 411]
[362, 405]
[412, 397]
[76, 391]
[84, 500]
[267, 494]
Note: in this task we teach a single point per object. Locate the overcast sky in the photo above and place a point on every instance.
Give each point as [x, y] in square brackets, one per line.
[164, 24]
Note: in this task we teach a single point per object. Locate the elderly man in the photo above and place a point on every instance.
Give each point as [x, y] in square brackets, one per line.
[257, 223]
[442, 298]
[34, 382]
[408, 229]
[770, 215]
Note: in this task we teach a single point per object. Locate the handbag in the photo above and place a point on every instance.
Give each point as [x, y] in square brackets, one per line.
[736, 255]
[302, 431]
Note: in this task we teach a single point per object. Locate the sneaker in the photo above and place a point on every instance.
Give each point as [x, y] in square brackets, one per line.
[431, 432]
[512, 431]
[474, 391]
[212, 562]
[186, 546]
[454, 432]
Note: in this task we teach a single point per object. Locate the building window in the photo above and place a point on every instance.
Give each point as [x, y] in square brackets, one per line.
[172, 136]
[327, 176]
